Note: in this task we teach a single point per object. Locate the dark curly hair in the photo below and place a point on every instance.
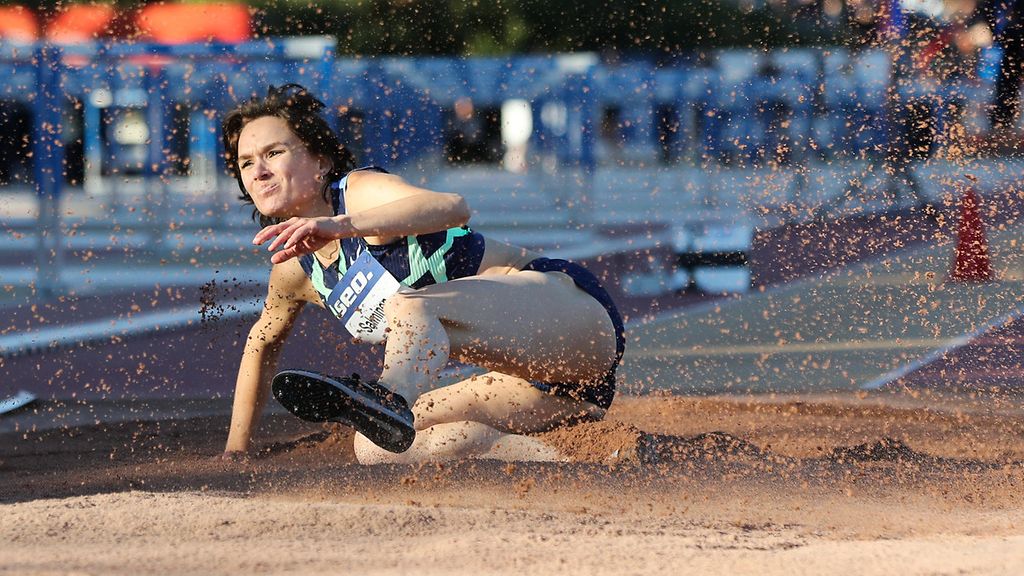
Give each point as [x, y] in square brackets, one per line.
[301, 111]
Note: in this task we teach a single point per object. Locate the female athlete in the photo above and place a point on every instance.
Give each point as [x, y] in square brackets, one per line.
[548, 335]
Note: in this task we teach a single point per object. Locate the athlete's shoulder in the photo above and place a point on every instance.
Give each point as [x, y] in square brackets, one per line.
[371, 174]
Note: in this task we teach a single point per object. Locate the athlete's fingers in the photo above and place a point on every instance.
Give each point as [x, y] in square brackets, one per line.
[307, 230]
[307, 245]
[263, 234]
[278, 240]
[286, 234]
[311, 244]
[303, 228]
[268, 233]
[283, 255]
[271, 231]
[316, 230]
[287, 254]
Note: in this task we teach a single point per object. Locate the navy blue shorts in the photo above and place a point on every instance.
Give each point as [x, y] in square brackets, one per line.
[601, 392]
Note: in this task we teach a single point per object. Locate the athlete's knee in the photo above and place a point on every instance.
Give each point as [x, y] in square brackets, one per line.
[459, 439]
[368, 453]
[426, 415]
[440, 406]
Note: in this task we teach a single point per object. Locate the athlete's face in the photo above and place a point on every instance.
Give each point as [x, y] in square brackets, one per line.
[280, 174]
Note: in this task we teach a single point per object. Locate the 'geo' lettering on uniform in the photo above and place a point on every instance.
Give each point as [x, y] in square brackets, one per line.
[358, 299]
[348, 295]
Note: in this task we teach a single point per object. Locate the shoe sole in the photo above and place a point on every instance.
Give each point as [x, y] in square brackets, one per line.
[318, 398]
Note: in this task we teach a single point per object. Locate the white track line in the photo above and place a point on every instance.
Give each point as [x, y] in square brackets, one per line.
[823, 277]
[790, 348]
[950, 346]
[102, 331]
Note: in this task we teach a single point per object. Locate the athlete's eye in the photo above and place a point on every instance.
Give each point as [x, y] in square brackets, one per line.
[275, 152]
[245, 164]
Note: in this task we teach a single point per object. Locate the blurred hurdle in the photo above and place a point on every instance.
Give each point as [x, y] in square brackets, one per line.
[729, 106]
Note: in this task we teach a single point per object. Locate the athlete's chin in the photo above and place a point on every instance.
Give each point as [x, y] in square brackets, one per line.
[273, 209]
[279, 203]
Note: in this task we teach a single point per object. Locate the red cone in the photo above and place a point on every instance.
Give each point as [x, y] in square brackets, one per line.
[972, 263]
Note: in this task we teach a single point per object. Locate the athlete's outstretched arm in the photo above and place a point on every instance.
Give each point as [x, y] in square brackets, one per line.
[285, 299]
[379, 206]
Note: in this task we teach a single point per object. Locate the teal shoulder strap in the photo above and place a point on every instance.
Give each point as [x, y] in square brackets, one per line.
[316, 276]
[420, 264]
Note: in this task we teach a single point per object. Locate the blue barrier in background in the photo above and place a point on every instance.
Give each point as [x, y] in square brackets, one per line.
[154, 110]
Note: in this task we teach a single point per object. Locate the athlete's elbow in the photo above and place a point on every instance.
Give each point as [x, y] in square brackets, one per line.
[459, 210]
[264, 343]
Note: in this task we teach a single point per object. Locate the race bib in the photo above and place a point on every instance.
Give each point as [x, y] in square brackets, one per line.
[358, 299]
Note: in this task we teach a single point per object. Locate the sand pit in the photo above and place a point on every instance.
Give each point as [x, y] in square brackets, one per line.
[869, 484]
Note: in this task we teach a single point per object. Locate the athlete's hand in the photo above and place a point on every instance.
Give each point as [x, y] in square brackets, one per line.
[299, 236]
[236, 456]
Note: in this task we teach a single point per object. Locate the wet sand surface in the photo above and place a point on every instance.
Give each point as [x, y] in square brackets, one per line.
[904, 482]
